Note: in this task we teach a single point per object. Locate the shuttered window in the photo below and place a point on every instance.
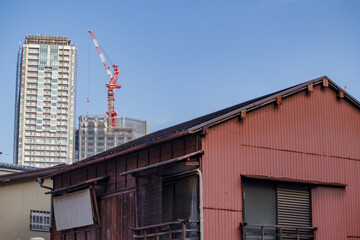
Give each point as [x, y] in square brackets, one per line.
[293, 206]
[290, 204]
[293, 209]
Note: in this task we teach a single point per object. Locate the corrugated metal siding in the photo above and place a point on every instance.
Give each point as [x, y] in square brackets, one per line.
[329, 212]
[352, 199]
[226, 230]
[308, 137]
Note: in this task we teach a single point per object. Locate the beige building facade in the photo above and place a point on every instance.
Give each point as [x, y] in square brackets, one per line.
[25, 208]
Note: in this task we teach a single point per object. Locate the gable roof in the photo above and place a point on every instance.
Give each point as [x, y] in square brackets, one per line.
[197, 124]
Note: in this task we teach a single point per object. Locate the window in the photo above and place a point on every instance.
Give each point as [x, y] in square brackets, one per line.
[273, 204]
[179, 199]
[39, 220]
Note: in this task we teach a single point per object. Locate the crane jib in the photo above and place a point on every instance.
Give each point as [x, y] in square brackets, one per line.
[111, 85]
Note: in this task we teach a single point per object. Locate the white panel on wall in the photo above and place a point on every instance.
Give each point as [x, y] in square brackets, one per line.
[73, 210]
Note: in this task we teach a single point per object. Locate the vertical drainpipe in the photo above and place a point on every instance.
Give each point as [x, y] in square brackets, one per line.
[41, 182]
[201, 204]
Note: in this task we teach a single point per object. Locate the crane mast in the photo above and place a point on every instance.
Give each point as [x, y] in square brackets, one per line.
[113, 83]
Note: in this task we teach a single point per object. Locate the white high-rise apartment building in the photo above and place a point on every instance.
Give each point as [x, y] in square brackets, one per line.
[45, 102]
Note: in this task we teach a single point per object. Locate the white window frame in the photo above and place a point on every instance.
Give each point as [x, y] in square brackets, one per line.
[40, 221]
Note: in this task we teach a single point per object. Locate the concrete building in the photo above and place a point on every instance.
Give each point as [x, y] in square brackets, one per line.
[45, 102]
[95, 135]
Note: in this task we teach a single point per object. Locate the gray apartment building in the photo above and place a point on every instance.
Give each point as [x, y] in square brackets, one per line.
[95, 135]
[45, 101]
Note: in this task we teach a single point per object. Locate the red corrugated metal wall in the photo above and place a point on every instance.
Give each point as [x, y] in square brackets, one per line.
[309, 137]
[328, 208]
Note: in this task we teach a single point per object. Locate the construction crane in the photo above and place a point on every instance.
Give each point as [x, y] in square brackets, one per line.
[113, 83]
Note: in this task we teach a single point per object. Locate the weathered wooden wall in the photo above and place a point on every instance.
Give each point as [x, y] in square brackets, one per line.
[118, 213]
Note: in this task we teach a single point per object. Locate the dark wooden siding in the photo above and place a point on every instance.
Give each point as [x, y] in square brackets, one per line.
[117, 205]
[86, 233]
[118, 216]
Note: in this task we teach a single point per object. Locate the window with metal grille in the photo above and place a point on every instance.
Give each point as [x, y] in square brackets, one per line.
[276, 210]
[39, 220]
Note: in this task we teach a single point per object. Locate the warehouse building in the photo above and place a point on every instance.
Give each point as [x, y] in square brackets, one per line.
[282, 166]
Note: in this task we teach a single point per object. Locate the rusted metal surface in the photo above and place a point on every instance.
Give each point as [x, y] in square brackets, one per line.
[309, 137]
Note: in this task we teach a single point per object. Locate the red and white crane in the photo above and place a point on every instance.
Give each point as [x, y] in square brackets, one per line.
[113, 83]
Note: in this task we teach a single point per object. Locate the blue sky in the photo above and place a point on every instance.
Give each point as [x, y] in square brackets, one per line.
[180, 59]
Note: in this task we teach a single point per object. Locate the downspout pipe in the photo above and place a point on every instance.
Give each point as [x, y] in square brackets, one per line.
[41, 182]
[201, 206]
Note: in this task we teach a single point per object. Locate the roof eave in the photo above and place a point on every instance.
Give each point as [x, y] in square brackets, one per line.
[29, 174]
[269, 100]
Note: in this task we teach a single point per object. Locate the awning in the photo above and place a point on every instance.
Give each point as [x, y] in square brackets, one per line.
[310, 182]
[186, 157]
[73, 210]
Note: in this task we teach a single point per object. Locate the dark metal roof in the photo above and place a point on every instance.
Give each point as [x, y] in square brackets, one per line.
[35, 173]
[208, 120]
[179, 127]
[16, 167]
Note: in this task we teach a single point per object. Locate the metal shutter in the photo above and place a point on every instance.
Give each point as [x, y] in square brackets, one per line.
[293, 206]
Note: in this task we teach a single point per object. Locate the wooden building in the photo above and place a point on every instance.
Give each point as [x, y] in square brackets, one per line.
[281, 166]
